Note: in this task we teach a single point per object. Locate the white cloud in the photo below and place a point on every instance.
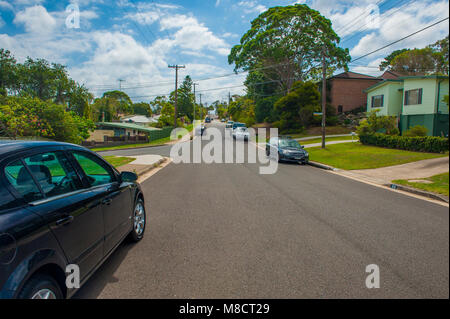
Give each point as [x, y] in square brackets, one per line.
[251, 6]
[35, 19]
[143, 17]
[193, 35]
[402, 23]
[6, 5]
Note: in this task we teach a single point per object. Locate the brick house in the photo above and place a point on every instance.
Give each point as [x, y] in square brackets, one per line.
[346, 90]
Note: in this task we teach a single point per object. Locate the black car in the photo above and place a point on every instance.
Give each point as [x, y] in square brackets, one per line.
[60, 205]
[287, 149]
[208, 120]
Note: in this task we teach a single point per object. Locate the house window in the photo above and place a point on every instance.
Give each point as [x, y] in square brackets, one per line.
[413, 97]
[340, 109]
[378, 101]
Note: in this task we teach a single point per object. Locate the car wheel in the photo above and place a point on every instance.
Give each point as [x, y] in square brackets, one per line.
[41, 287]
[139, 221]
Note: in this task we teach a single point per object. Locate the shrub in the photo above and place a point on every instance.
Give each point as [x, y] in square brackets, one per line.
[417, 130]
[429, 144]
[375, 123]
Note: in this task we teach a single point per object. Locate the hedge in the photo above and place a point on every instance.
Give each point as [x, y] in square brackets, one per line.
[429, 144]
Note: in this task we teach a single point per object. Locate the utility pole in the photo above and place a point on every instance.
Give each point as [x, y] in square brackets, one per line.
[229, 98]
[324, 98]
[120, 84]
[195, 98]
[201, 105]
[176, 67]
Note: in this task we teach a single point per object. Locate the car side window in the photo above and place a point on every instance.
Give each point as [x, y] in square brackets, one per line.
[21, 180]
[54, 173]
[95, 169]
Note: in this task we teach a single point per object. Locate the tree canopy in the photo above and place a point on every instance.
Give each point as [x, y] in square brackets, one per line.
[287, 44]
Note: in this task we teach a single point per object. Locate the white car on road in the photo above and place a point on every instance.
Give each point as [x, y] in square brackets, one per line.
[241, 133]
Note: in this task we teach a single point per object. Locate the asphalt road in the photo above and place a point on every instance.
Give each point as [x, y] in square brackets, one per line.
[225, 231]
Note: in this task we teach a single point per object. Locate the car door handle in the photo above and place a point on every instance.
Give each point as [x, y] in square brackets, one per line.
[65, 221]
[107, 201]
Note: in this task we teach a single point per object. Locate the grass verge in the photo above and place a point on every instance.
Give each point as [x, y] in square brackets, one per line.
[437, 184]
[352, 156]
[117, 161]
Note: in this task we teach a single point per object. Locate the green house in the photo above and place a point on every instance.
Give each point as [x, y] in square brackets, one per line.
[414, 100]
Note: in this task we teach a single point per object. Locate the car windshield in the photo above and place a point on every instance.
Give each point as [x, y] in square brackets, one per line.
[289, 143]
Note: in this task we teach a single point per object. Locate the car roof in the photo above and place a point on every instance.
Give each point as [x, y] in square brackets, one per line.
[7, 147]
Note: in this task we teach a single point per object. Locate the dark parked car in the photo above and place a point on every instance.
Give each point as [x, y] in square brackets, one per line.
[208, 120]
[287, 149]
[60, 205]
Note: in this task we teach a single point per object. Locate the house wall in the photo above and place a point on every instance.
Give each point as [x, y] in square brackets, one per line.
[429, 96]
[349, 93]
[392, 98]
[99, 135]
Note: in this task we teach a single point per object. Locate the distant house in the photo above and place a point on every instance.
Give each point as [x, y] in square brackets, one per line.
[137, 119]
[414, 100]
[111, 131]
[347, 90]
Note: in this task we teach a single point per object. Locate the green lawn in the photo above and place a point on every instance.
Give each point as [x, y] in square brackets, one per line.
[352, 156]
[118, 161]
[439, 184]
[329, 139]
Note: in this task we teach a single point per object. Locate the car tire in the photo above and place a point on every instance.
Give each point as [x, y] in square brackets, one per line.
[41, 286]
[139, 222]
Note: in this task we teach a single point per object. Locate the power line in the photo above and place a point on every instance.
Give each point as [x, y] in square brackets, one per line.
[404, 38]
[384, 18]
[352, 23]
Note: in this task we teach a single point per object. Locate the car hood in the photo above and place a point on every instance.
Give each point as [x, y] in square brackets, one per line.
[293, 149]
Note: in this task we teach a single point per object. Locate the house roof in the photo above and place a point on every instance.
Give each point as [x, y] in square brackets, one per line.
[354, 75]
[129, 126]
[370, 88]
[391, 75]
[137, 119]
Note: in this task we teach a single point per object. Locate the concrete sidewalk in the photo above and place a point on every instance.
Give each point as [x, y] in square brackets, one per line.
[143, 164]
[417, 170]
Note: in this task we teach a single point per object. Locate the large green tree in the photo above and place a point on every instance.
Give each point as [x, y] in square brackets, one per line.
[142, 108]
[288, 44]
[8, 71]
[297, 107]
[385, 64]
[185, 106]
[433, 59]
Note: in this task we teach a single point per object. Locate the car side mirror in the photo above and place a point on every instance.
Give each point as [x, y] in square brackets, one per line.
[128, 177]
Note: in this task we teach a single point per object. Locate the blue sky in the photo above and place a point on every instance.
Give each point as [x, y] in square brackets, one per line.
[136, 40]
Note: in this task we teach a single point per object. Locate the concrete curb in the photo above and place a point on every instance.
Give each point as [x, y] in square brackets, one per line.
[418, 192]
[322, 166]
[151, 167]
